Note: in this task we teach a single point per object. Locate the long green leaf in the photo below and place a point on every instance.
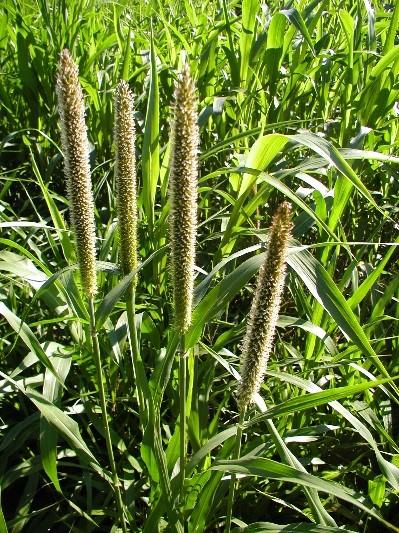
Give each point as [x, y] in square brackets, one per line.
[298, 527]
[296, 19]
[384, 63]
[267, 468]
[150, 154]
[48, 434]
[368, 283]
[67, 427]
[218, 297]
[323, 288]
[3, 525]
[390, 471]
[261, 154]
[28, 337]
[116, 293]
[249, 10]
[315, 399]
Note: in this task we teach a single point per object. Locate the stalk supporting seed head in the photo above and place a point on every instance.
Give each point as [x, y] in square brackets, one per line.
[183, 198]
[77, 168]
[125, 171]
[258, 340]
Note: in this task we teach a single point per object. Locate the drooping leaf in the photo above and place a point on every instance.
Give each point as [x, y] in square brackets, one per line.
[267, 468]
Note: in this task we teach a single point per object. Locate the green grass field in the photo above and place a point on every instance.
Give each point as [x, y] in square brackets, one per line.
[297, 101]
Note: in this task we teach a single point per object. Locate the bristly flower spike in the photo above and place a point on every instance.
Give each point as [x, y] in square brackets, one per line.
[258, 340]
[183, 197]
[125, 172]
[77, 168]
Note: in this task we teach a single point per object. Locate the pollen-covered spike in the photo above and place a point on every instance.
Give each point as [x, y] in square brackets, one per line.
[183, 198]
[125, 171]
[77, 168]
[258, 340]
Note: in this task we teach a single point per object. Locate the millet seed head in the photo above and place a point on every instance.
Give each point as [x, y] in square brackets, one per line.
[125, 172]
[183, 197]
[77, 168]
[259, 337]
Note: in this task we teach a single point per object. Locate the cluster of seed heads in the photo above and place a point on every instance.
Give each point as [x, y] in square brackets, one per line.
[183, 185]
[258, 340]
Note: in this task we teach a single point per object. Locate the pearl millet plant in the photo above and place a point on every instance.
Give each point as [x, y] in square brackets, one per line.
[183, 193]
[258, 340]
[77, 171]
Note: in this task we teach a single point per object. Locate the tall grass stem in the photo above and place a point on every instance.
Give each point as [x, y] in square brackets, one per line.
[101, 391]
[232, 486]
[137, 361]
[182, 401]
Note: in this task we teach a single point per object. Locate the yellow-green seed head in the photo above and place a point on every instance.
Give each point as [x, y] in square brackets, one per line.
[77, 168]
[258, 340]
[183, 198]
[125, 171]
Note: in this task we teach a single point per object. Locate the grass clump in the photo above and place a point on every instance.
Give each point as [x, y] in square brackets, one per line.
[118, 390]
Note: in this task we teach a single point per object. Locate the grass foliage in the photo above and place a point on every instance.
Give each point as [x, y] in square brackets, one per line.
[297, 101]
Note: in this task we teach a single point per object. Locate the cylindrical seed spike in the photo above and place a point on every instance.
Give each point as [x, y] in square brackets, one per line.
[77, 168]
[125, 172]
[258, 340]
[183, 198]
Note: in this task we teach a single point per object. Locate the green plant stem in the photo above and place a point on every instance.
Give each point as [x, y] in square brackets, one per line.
[137, 363]
[182, 400]
[232, 486]
[149, 417]
[101, 391]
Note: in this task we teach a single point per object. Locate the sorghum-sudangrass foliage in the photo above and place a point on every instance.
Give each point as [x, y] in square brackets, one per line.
[296, 102]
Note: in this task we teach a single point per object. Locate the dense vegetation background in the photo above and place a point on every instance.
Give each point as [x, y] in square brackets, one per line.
[297, 100]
